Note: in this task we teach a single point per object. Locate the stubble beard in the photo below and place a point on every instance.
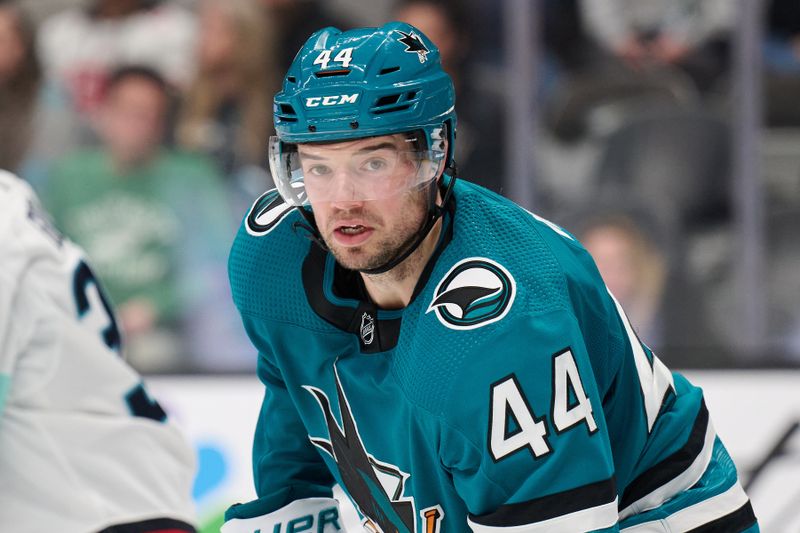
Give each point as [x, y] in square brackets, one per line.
[396, 241]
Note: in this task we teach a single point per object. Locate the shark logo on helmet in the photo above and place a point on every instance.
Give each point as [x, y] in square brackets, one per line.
[414, 45]
[475, 292]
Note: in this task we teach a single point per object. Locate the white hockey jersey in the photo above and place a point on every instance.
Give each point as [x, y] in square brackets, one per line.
[82, 445]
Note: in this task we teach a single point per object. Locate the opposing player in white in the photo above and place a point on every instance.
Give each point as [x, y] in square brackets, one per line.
[83, 448]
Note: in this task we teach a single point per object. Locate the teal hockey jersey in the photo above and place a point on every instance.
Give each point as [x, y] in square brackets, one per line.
[511, 394]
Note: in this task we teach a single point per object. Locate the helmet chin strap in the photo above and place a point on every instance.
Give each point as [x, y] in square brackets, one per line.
[435, 212]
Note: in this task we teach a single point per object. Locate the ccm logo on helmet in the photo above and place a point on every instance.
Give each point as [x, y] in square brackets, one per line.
[339, 99]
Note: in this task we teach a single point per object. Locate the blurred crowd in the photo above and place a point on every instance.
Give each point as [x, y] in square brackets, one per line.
[143, 126]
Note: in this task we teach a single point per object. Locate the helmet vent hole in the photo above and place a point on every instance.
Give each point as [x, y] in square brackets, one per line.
[389, 99]
[286, 113]
[332, 73]
[393, 102]
[291, 79]
[388, 70]
[391, 109]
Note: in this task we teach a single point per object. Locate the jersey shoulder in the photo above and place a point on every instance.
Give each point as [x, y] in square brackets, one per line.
[501, 286]
[15, 198]
[549, 268]
[266, 260]
[26, 232]
[547, 264]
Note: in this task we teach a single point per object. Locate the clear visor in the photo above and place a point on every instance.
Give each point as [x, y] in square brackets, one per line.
[367, 169]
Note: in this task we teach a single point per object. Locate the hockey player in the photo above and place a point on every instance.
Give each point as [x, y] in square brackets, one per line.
[452, 360]
[83, 448]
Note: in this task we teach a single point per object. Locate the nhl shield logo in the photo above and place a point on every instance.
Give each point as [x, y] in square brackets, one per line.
[367, 328]
[475, 292]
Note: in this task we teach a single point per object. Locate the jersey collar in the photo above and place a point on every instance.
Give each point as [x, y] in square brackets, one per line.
[339, 297]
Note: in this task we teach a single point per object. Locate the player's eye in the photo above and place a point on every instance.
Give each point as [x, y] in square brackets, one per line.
[318, 171]
[375, 164]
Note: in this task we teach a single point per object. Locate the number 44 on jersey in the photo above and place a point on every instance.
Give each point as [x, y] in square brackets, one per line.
[514, 426]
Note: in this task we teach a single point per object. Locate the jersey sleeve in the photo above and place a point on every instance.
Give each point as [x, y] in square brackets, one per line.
[15, 325]
[286, 466]
[525, 437]
[13, 335]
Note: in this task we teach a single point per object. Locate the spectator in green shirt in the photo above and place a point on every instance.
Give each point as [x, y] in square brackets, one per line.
[153, 220]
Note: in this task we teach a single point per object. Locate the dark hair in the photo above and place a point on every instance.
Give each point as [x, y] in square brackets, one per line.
[458, 21]
[454, 11]
[26, 82]
[126, 72]
[95, 7]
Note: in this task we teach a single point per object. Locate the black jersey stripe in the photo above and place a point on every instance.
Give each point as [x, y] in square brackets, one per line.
[151, 526]
[735, 522]
[551, 506]
[671, 467]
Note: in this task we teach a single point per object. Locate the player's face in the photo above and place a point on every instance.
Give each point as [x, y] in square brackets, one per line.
[132, 119]
[363, 234]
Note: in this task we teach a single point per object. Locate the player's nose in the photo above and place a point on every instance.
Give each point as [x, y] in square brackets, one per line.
[344, 192]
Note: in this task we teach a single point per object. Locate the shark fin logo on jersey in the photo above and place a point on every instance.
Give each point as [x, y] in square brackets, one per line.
[267, 212]
[414, 45]
[375, 487]
[475, 292]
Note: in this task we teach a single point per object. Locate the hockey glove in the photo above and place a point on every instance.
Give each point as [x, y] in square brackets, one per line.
[310, 514]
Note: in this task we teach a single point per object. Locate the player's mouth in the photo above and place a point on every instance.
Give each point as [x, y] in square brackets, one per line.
[352, 234]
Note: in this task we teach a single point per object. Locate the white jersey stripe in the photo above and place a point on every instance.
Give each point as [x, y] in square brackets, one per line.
[655, 380]
[551, 225]
[599, 517]
[686, 479]
[696, 515]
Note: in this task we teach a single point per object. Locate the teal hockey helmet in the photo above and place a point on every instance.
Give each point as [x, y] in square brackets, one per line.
[366, 82]
[363, 83]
